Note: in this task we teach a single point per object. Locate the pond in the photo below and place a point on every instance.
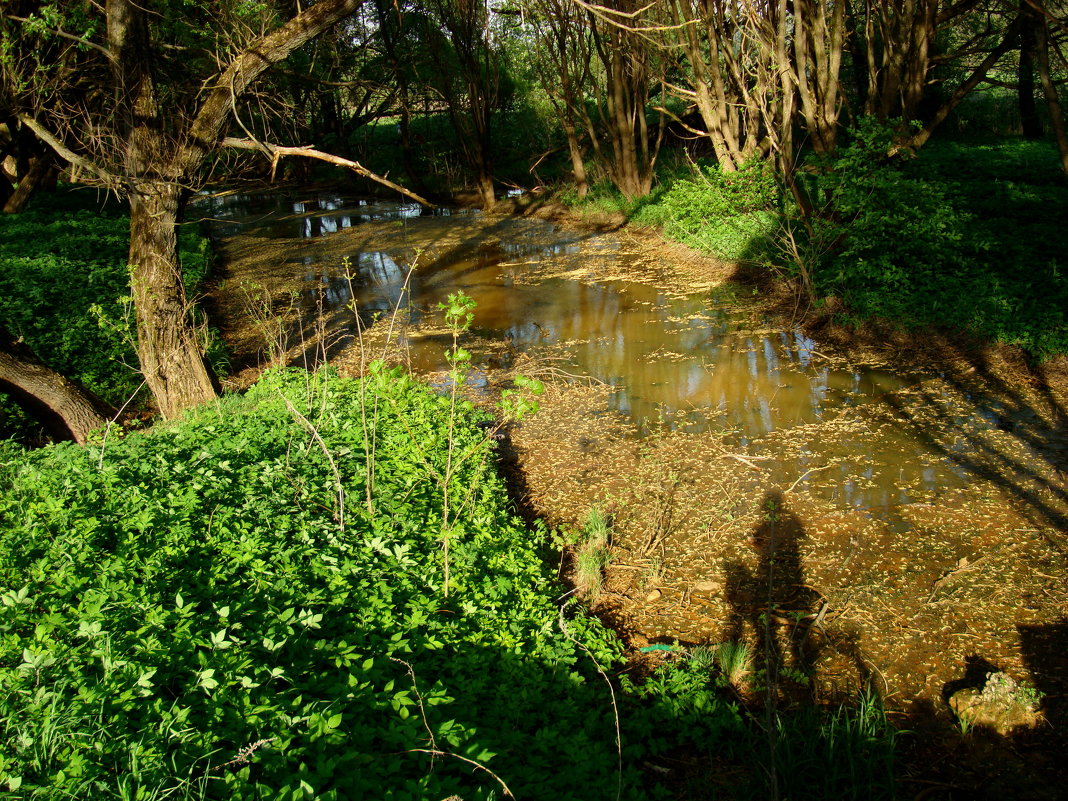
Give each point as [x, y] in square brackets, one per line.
[912, 516]
[673, 358]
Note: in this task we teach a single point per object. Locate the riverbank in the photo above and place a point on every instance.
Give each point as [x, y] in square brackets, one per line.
[915, 599]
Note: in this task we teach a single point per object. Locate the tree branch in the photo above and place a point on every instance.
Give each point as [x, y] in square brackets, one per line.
[61, 33]
[248, 65]
[110, 179]
[281, 151]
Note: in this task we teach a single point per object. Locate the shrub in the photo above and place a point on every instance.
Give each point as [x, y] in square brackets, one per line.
[731, 214]
[185, 614]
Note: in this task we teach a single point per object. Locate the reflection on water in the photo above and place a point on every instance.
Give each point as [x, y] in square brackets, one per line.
[697, 363]
[287, 214]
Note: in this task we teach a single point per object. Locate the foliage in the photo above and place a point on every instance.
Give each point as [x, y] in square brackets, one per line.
[960, 237]
[684, 704]
[184, 614]
[56, 265]
[65, 288]
[729, 214]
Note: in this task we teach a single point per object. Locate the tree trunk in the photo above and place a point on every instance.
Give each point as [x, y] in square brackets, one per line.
[66, 409]
[1030, 123]
[1049, 89]
[167, 347]
[37, 175]
[1010, 39]
[578, 164]
[171, 358]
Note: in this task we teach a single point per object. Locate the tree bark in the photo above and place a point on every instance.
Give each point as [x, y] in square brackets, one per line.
[1049, 89]
[65, 408]
[167, 344]
[1030, 123]
[158, 164]
[36, 176]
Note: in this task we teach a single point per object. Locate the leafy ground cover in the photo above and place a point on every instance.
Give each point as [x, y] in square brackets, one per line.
[965, 236]
[65, 290]
[231, 607]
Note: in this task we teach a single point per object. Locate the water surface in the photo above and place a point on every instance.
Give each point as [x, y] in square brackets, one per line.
[695, 361]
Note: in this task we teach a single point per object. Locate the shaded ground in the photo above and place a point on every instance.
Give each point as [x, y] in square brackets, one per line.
[709, 544]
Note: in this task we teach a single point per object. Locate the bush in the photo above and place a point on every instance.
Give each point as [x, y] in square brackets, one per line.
[184, 613]
[731, 214]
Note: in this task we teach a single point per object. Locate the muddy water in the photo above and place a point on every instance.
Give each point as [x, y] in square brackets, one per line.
[674, 359]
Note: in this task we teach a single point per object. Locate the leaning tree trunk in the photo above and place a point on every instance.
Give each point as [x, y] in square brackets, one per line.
[170, 355]
[37, 175]
[65, 408]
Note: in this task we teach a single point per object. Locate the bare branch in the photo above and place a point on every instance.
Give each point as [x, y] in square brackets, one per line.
[281, 151]
[61, 33]
[65, 153]
[606, 15]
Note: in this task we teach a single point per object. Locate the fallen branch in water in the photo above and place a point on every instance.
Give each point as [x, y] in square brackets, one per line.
[804, 475]
[746, 460]
[277, 152]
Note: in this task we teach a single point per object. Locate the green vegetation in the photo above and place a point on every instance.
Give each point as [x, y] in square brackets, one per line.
[209, 610]
[841, 753]
[962, 236]
[592, 555]
[188, 593]
[65, 291]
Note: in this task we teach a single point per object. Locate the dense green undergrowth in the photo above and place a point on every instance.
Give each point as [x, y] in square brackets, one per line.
[966, 235]
[65, 290]
[963, 236]
[250, 603]
[210, 609]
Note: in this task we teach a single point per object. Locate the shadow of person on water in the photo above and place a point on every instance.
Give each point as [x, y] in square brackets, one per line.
[773, 601]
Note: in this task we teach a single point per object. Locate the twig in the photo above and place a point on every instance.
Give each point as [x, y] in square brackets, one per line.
[279, 151]
[418, 699]
[805, 475]
[746, 460]
[479, 765]
[242, 756]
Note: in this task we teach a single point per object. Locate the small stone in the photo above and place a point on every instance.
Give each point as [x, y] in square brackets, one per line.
[654, 596]
[707, 586]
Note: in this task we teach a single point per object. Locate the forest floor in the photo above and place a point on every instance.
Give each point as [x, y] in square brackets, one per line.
[913, 601]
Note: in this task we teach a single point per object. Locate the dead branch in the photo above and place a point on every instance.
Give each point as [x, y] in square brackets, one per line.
[109, 179]
[307, 151]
